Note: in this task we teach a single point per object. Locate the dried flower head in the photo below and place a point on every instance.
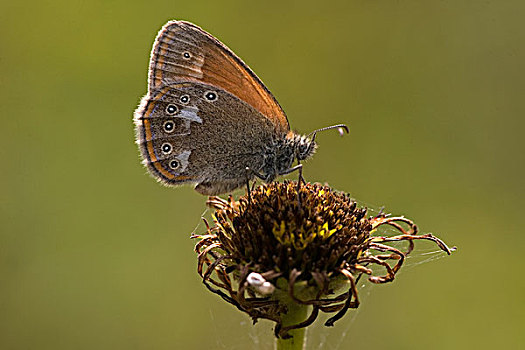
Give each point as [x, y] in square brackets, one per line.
[268, 250]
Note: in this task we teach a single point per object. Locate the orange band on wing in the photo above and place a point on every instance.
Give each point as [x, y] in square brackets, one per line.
[163, 171]
[148, 136]
[146, 124]
[153, 158]
[158, 166]
[151, 153]
[183, 177]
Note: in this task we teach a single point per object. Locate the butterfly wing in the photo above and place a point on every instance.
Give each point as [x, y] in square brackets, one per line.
[197, 133]
[184, 52]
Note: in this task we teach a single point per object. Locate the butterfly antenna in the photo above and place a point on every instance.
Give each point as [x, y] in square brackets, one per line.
[340, 127]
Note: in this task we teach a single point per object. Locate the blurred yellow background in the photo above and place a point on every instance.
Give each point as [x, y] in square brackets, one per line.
[94, 254]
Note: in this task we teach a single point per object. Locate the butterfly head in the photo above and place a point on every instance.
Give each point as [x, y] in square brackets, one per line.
[304, 147]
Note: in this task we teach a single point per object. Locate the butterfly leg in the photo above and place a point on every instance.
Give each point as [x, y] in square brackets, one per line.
[249, 173]
[301, 178]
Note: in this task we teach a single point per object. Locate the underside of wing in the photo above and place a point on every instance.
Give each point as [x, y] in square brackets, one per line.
[197, 133]
[184, 52]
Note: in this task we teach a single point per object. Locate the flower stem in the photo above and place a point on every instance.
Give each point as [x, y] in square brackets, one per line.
[297, 313]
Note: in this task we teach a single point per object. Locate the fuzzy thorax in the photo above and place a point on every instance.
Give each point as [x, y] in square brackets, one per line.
[281, 154]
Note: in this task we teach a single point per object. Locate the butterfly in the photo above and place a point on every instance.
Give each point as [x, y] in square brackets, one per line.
[208, 120]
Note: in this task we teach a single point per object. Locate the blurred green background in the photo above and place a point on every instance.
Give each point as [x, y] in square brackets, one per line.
[94, 254]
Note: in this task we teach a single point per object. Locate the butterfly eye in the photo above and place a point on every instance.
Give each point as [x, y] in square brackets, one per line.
[184, 99]
[174, 164]
[210, 95]
[186, 55]
[169, 126]
[303, 148]
[166, 148]
[171, 109]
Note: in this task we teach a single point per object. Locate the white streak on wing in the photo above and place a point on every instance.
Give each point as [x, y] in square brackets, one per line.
[183, 159]
[190, 113]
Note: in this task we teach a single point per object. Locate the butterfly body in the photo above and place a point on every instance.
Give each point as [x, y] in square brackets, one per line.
[207, 118]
